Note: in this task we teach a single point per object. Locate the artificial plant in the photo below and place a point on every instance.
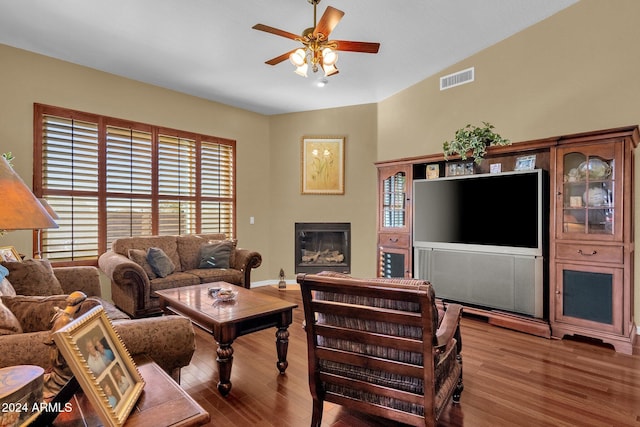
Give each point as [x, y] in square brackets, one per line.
[474, 140]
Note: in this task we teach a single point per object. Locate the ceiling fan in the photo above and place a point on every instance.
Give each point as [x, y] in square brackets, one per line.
[317, 49]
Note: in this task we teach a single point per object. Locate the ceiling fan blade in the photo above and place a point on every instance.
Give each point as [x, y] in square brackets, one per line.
[328, 22]
[279, 59]
[350, 46]
[276, 31]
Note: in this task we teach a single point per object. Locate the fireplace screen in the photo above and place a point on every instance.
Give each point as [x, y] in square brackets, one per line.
[323, 247]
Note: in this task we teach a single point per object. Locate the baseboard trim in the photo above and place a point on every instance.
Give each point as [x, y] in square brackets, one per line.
[271, 282]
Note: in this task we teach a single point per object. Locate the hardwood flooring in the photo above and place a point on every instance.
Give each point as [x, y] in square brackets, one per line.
[510, 379]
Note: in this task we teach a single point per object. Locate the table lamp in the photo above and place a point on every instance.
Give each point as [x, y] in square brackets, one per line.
[20, 210]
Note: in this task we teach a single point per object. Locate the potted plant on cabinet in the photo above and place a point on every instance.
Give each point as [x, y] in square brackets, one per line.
[472, 141]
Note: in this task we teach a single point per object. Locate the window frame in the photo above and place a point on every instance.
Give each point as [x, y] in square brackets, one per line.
[102, 194]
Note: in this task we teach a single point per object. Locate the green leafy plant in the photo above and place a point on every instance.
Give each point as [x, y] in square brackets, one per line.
[8, 157]
[474, 140]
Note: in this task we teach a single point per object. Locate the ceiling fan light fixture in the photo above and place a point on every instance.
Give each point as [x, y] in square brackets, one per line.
[329, 70]
[322, 82]
[302, 70]
[318, 50]
[329, 56]
[298, 57]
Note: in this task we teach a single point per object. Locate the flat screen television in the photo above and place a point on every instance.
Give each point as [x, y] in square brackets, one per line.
[498, 213]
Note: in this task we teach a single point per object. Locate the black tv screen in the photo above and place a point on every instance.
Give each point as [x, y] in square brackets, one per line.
[497, 212]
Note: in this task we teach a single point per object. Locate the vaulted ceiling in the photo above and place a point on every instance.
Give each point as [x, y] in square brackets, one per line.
[208, 49]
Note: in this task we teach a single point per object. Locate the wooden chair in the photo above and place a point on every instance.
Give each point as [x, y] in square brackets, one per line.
[381, 346]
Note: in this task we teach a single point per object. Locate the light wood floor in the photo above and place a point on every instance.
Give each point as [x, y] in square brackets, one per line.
[510, 379]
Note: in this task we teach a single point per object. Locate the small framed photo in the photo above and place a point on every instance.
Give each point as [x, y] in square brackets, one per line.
[459, 168]
[102, 365]
[526, 163]
[9, 254]
[433, 171]
[495, 168]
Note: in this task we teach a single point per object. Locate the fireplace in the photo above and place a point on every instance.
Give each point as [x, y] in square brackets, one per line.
[323, 246]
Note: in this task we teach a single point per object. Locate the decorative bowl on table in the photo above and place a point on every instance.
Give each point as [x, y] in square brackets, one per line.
[223, 294]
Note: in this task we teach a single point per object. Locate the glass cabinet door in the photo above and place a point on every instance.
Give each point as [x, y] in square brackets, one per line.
[589, 197]
[394, 195]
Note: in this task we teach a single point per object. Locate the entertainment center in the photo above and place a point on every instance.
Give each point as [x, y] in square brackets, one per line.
[547, 250]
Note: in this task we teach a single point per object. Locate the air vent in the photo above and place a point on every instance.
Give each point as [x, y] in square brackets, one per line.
[457, 79]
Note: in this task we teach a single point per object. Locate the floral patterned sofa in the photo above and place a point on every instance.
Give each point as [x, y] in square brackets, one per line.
[134, 280]
[168, 340]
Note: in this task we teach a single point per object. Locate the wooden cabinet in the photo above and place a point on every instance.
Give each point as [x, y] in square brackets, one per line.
[591, 246]
[394, 221]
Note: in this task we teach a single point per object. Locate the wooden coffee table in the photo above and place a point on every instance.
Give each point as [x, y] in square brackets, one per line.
[249, 312]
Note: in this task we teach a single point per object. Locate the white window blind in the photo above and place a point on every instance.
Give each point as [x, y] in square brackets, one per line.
[108, 178]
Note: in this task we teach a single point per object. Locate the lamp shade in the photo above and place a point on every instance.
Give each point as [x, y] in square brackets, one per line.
[49, 209]
[20, 210]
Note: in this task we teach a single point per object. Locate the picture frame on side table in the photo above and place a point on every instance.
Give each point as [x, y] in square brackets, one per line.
[9, 254]
[322, 165]
[113, 386]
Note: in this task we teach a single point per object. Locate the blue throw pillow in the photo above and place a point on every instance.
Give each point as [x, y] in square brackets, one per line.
[215, 255]
[160, 263]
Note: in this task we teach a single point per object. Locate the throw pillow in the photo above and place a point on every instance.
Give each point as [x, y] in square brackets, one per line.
[6, 289]
[215, 255]
[8, 322]
[139, 256]
[160, 262]
[33, 277]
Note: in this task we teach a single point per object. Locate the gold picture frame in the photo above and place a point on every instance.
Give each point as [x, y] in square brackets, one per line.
[322, 165]
[112, 399]
[9, 254]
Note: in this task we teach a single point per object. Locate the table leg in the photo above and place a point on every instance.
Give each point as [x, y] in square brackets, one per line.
[282, 346]
[225, 361]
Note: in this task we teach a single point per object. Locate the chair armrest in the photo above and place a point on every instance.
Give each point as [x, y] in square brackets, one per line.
[244, 260]
[36, 312]
[168, 340]
[449, 325]
[82, 278]
[24, 349]
[130, 286]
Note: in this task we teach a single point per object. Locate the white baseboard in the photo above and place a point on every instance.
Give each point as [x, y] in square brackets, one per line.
[271, 282]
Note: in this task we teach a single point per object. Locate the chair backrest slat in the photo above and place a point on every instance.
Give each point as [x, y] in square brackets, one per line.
[371, 346]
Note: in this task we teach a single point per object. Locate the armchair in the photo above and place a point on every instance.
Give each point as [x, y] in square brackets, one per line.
[381, 346]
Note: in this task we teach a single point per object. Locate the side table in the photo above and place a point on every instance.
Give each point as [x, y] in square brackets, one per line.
[20, 389]
[162, 403]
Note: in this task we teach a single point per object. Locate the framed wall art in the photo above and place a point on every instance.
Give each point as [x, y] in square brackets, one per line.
[322, 165]
[9, 254]
[101, 364]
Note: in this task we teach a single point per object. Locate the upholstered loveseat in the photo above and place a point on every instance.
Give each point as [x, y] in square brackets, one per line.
[168, 340]
[134, 280]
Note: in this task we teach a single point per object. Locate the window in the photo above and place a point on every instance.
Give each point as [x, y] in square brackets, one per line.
[108, 178]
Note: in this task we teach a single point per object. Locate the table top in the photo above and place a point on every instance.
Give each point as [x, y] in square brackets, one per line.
[197, 303]
[162, 402]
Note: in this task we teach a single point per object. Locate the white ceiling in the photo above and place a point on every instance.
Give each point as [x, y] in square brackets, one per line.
[207, 48]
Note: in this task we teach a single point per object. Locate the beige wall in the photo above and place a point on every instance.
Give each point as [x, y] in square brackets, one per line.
[574, 72]
[268, 151]
[357, 205]
[26, 78]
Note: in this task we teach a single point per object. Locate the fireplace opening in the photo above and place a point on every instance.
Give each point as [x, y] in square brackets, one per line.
[323, 246]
